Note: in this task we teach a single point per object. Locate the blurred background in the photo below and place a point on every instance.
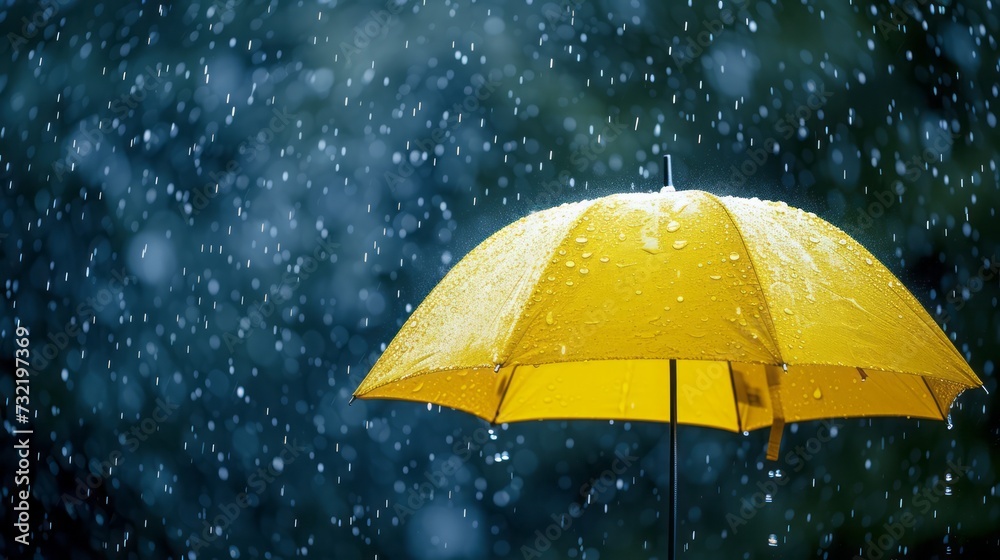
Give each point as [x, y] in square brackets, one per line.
[215, 215]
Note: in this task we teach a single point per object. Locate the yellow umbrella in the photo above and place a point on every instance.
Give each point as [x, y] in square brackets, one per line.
[680, 307]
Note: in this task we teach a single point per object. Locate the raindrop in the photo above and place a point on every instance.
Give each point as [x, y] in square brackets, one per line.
[570, 264]
[680, 298]
[734, 256]
[581, 239]
[548, 318]
[817, 394]
[680, 244]
[673, 226]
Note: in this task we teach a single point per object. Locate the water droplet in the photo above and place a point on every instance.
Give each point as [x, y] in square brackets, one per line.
[842, 242]
[680, 298]
[418, 387]
[548, 318]
[680, 244]
[734, 256]
[868, 261]
[638, 292]
[788, 311]
[605, 259]
[621, 237]
[584, 270]
[586, 255]
[570, 264]
[673, 226]
[814, 239]
[581, 239]
[817, 394]
[715, 277]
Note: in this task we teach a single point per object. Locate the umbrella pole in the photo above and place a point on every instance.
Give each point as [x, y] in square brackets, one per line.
[672, 534]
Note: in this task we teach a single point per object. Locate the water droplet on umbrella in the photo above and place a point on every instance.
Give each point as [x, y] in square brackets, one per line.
[586, 255]
[605, 259]
[868, 261]
[734, 256]
[570, 264]
[581, 239]
[584, 270]
[814, 239]
[549, 319]
[842, 242]
[788, 311]
[673, 226]
[680, 298]
[680, 244]
[715, 277]
[817, 394]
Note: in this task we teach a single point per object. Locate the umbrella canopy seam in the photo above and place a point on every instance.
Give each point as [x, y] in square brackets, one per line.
[772, 330]
[921, 313]
[525, 320]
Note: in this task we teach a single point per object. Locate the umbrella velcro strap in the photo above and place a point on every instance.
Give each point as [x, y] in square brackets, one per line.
[777, 413]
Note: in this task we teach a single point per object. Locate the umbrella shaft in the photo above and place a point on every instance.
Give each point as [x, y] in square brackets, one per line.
[672, 532]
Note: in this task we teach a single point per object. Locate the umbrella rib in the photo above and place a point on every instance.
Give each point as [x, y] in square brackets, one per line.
[767, 305]
[934, 398]
[510, 381]
[736, 402]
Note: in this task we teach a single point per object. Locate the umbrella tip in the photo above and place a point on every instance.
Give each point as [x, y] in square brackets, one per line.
[668, 175]
[353, 398]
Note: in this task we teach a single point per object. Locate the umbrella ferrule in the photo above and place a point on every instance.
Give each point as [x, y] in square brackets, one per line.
[668, 175]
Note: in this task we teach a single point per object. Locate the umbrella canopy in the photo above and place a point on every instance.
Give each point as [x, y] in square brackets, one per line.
[772, 315]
